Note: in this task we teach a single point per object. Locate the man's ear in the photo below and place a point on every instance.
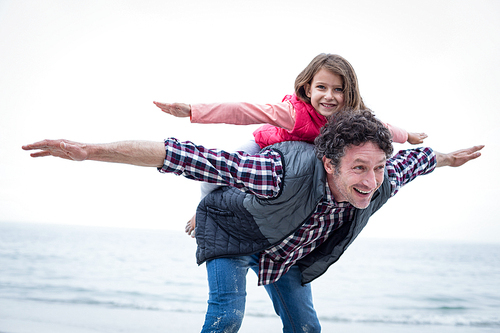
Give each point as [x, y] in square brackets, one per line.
[327, 163]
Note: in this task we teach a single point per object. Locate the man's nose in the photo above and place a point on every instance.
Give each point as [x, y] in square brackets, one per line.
[370, 180]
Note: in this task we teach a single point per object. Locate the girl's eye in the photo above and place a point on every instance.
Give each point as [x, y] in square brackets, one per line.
[320, 87]
[339, 89]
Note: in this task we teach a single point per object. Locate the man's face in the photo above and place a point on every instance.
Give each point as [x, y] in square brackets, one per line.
[360, 174]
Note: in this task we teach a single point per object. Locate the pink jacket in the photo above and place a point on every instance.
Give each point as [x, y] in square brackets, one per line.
[292, 120]
[307, 125]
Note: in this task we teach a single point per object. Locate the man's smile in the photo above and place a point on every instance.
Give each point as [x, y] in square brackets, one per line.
[362, 192]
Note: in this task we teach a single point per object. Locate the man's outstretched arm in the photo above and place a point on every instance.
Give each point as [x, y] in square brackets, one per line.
[260, 174]
[459, 157]
[141, 153]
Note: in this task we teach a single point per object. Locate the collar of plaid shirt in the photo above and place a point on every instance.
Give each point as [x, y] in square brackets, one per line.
[327, 217]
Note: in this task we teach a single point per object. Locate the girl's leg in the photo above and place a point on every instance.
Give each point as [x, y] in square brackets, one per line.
[227, 293]
[293, 303]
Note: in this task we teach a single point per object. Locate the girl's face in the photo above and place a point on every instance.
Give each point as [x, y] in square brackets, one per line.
[326, 92]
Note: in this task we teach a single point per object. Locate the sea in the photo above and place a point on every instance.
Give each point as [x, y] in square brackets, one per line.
[406, 282]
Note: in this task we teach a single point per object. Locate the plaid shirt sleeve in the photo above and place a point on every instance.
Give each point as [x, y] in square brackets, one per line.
[406, 165]
[259, 174]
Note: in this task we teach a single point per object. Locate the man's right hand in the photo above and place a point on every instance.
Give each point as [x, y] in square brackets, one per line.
[59, 148]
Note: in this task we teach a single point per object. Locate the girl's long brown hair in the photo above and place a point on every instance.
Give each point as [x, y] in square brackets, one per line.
[337, 65]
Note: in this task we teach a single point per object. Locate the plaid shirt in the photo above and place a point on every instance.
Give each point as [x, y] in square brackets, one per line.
[261, 175]
[258, 174]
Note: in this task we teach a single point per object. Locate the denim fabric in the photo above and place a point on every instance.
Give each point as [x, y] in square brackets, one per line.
[226, 303]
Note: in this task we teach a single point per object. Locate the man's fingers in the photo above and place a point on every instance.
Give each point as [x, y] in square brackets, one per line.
[44, 146]
[473, 152]
[36, 145]
[477, 148]
[472, 156]
[40, 154]
[465, 155]
[58, 148]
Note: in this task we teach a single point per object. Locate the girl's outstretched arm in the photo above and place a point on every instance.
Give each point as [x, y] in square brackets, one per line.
[175, 109]
[280, 114]
[400, 135]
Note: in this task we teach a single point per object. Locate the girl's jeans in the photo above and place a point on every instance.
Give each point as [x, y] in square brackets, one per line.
[226, 303]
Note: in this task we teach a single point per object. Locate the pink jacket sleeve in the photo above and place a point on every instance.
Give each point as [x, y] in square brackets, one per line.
[280, 115]
[399, 135]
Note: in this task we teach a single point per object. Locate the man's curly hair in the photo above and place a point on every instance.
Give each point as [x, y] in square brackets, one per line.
[351, 128]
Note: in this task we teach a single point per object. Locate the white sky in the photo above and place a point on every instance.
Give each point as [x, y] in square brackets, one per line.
[89, 70]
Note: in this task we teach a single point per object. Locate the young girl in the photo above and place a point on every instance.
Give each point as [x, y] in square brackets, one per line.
[327, 85]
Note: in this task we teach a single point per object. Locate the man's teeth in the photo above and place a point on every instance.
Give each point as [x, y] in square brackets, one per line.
[362, 192]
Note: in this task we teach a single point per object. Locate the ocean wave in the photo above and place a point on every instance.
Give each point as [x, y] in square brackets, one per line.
[111, 304]
[430, 320]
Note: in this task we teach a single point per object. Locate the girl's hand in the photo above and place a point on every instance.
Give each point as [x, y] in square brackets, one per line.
[175, 109]
[190, 226]
[416, 138]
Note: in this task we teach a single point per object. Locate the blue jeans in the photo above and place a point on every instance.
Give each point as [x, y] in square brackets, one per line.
[226, 303]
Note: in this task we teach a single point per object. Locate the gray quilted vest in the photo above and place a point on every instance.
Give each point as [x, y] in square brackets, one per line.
[232, 223]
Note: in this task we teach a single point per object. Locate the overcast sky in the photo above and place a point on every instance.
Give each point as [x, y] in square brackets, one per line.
[89, 70]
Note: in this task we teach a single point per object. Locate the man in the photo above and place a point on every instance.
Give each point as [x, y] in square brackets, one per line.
[288, 213]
